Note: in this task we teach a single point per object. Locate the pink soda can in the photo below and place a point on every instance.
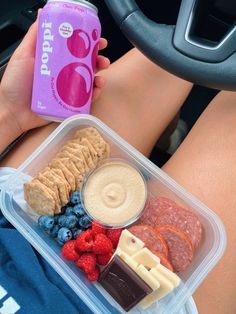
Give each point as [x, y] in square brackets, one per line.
[65, 61]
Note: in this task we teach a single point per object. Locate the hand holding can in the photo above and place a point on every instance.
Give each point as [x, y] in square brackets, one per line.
[66, 55]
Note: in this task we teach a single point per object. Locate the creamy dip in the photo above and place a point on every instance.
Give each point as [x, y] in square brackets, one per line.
[115, 194]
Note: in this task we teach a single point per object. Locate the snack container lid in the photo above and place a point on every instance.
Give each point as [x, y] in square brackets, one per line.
[17, 212]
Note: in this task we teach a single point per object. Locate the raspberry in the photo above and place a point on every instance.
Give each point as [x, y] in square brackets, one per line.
[103, 259]
[84, 241]
[69, 252]
[94, 275]
[87, 262]
[101, 244]
[97, 228]
[114, 236]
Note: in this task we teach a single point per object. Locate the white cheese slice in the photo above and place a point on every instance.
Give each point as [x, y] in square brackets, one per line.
[146, 258]
[168, 274]
[127, 259]
[129, 244]
[147, 277]
[165, 288]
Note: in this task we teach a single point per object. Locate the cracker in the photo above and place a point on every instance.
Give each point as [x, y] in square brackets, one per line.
[62, 180]
[63, 193]
[107, 152]
[38, 198]
[61, 175]
[54, 191]
[46, 169]
[93, 153]
[78, 162]
[55, 194]
[78, 175]
[50, 192]
[99, 144]
[82, 152]
[57, 164]
[67, 152]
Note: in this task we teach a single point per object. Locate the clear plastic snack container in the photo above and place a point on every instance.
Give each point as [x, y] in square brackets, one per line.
[19, 214]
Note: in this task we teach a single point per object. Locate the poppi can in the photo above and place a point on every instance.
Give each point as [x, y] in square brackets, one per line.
[66, 54]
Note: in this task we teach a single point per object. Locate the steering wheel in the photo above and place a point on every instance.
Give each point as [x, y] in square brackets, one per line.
[173, 48]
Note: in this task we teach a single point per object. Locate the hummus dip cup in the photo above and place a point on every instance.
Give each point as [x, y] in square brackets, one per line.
[114, 194]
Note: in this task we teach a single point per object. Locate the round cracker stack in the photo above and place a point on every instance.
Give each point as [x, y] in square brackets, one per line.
[50, 190]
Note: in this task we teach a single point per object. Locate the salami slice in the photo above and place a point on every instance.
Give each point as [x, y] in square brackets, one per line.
[163, 260]
[185, 220]
[152, 239]
[179, 245]
[154, 208]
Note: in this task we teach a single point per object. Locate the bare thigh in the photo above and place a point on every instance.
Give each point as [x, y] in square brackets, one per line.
[138, 102]
[205, 164]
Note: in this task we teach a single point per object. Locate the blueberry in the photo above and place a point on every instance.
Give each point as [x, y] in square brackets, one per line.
[54, 232]
[75, 198]
[71, 222]
[85, 222]
[56, 218]
[64, 235]
[78, 210]
[77, 232]
[62, 220]
[41, 221]
[46, 222]
[69, 210]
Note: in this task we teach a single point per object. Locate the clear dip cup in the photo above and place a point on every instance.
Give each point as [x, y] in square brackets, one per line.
[91, 174]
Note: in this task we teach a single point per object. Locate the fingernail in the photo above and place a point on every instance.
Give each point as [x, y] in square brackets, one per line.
[108, 60]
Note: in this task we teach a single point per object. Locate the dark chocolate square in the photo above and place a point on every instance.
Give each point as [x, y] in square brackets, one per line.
[123, 284]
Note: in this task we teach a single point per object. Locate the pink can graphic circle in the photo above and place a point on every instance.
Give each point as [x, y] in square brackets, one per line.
[66, 54]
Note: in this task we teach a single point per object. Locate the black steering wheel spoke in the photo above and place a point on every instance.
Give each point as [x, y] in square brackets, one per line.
[185, 50]
[191, 34]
